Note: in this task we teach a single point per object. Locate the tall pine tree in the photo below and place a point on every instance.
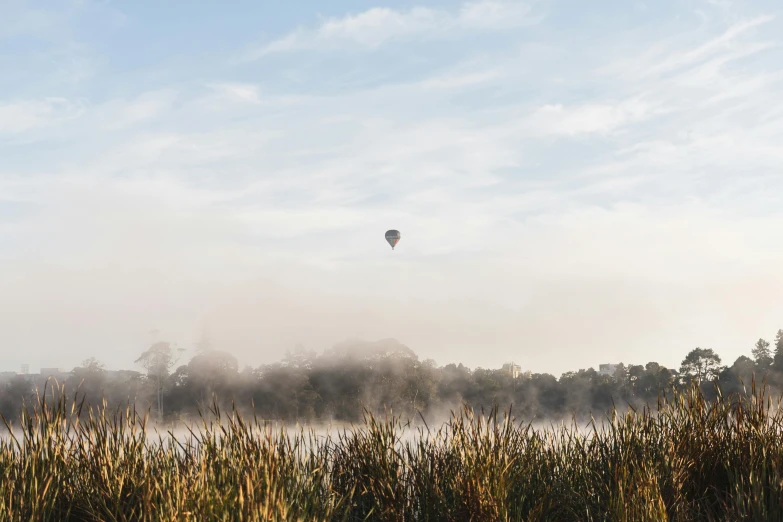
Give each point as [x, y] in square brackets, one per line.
[777, 362]
[762, 355]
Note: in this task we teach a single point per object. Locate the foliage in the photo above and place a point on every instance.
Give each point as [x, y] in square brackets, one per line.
[339, 384]
[701, 364]
[761, 354]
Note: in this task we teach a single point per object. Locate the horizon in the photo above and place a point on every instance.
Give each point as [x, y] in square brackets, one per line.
[574, 184]
[187, 355]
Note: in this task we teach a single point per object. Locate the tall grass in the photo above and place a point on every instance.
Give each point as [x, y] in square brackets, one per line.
[688, 460]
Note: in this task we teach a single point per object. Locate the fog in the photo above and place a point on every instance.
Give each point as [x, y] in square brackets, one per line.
[556, 303]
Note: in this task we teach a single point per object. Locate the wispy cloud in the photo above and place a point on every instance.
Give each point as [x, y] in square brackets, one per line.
[376, 26]
[120, 114]
[238, 91]
[660, 60]
[21, 116]
[588, 118]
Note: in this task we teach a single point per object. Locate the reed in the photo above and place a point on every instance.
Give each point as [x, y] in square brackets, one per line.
[688, 459]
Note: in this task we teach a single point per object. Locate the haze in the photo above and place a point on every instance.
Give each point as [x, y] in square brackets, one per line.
[574, 184]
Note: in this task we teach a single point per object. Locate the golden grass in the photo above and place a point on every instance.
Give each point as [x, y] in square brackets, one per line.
[689, 460]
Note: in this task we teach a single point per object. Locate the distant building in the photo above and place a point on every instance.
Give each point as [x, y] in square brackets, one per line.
[4, 376]
[123, 375]
[53, 371]
[512, 369]
[25, 369]
[58, 373]
[607, 369]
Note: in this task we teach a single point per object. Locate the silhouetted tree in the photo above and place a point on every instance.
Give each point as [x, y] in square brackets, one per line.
[777, 362]
[158, 360]
[385, 375]
[15, 392]
[89, 379]
[212, 372]
[701, 363]
[762, 355]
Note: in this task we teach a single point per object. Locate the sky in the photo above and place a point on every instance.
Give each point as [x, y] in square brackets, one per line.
[575, 183]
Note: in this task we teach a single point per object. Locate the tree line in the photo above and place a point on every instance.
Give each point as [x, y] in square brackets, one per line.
[338, 384]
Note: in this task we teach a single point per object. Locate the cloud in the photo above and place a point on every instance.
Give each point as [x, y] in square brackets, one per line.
[376, 26]
[238, 91]
[120, 114]
[588, 118]
[26, 115]
[722, 48]
[461, 80]
[491, 14]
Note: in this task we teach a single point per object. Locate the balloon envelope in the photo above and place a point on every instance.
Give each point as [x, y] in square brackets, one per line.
[393, 237]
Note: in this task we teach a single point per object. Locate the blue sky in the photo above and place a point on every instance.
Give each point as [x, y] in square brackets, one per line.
[575, 183]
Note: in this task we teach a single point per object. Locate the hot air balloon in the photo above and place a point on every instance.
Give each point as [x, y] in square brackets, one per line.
[393, 237]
